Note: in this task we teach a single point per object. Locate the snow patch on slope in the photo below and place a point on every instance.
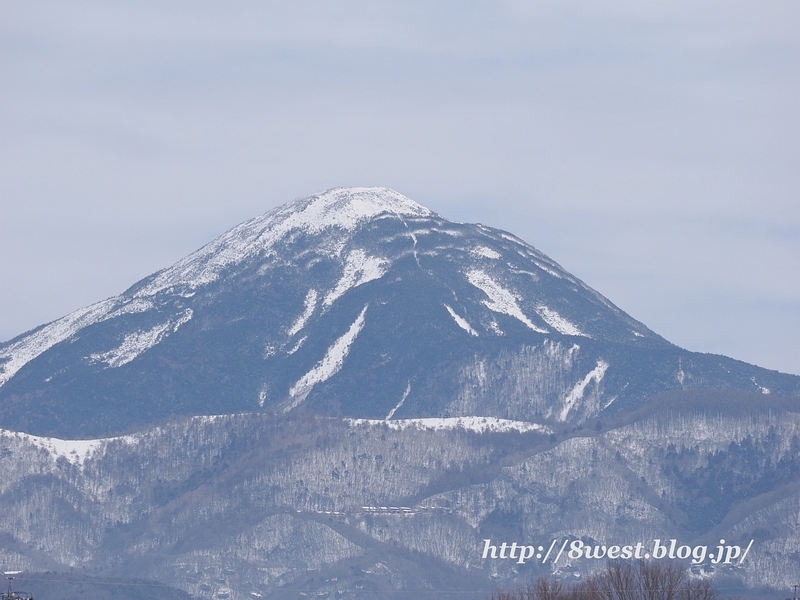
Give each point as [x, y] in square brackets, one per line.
[461, 322]
[500, 299]
[761, 388]
[138, 342]
[296, 347]
[485, 252]
[358, 269]
[477, 424]
[328, 366]
[557, 322]
[399, 404]
[29, 347]
[308, 309]
[341, 208]
[576, 393]
[450, 232]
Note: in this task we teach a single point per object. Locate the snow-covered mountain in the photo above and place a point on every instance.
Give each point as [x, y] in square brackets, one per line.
[345, 397]
[353, 302]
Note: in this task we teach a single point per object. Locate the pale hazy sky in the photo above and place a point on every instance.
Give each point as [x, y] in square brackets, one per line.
[649, 148]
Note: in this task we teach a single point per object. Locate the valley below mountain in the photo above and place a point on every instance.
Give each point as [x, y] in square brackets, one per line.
[353, 397]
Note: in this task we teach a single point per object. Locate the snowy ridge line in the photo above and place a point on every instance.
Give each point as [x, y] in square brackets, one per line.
[342, 208]
[29, 347]
[476, 424]
[75, 451]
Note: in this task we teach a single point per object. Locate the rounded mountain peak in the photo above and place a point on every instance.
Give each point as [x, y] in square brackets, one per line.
[344, 209]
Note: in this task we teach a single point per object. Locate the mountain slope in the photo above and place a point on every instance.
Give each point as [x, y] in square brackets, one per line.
[353, 302]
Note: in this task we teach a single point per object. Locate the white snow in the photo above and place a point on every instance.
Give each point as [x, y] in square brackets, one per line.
[485, 252]
[610, 402]
[500, 299]
[296, 347]
[477, 424]
[576, 393]
[75, 451]
[29, 347]
[139, 341]
[308, 309]
[496, 328]
[328, 366]
[132, 346]
[461, 322]
[762, 389]
[399, 404]
[138, 305]
[184, 318]
[416, 256]
[557, 322]
[547, 269]
[341, 208]
[450, 232]
[530, 274]
[511, 238]
[358, 269]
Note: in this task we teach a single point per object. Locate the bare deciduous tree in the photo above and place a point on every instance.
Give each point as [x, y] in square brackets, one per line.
[619, 581]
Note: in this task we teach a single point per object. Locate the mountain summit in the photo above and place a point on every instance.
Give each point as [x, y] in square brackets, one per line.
[352, 302]
[336, 212]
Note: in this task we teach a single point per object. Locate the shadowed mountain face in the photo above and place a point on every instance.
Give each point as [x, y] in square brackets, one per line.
[352, 302]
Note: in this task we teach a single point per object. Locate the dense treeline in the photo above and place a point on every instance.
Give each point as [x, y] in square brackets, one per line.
[77, 586]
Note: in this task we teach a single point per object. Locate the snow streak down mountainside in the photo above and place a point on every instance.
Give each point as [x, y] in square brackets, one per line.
[353, 302]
